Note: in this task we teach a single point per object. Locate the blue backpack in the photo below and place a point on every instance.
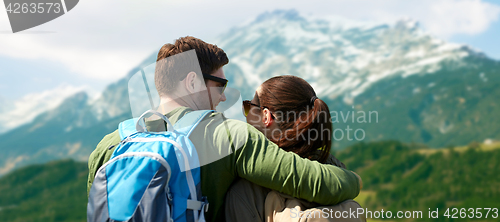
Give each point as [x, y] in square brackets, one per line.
[151, 176]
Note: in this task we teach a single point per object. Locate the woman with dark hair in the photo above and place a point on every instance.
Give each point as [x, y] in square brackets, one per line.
[288, 112]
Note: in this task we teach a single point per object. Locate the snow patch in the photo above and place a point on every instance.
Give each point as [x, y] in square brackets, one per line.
[28, 107]
[483, 77]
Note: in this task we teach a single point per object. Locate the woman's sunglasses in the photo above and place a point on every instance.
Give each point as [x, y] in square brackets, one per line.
[217, 79]
[247, 105]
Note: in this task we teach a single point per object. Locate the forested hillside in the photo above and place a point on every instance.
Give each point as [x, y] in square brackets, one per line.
[55, 191]
[396, 177]
[406, 177]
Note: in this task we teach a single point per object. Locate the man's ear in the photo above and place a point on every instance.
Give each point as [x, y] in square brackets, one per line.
[193, 83]
[267, 118]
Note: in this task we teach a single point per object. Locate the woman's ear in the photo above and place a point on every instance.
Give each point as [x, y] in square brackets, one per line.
[193, 83]
[267, 118]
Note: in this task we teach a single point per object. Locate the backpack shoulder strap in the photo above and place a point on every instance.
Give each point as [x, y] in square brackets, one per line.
[127, 128]
[185, 125]
[189, 121]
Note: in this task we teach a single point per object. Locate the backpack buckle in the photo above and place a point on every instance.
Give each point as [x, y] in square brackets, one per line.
[206, 207]
[205, 203]
[169, 195]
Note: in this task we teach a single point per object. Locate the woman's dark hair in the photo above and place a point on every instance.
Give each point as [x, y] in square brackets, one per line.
[304, 120]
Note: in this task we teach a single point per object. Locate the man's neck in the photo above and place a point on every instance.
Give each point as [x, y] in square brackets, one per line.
[168, 104]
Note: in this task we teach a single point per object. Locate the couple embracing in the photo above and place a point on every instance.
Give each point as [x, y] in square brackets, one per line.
[275, 167]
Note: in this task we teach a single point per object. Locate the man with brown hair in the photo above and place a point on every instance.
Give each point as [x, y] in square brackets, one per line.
[168, 73]
[230, 149]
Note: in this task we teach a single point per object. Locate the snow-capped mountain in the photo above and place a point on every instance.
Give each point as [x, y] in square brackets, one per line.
[24, 110]
[71, 129]
[338, 57]
[422, 89]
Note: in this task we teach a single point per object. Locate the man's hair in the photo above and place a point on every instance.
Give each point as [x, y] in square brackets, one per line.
[169, 72]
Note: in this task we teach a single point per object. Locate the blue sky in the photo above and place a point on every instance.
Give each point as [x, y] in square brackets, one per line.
[98, 42]
[39, 75]
[488, 41]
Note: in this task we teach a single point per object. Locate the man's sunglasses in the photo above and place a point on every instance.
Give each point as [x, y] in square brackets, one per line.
[217, 79]
[247, 105]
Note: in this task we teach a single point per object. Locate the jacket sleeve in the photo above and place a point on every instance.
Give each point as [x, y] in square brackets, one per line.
[101, 155]
[262, 162]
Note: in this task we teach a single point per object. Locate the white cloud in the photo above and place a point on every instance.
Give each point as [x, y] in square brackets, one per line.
[449, 17]
[443, 18]
[103, 40]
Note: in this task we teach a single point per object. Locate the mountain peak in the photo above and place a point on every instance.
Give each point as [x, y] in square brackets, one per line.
[407, 23]
[280, 14]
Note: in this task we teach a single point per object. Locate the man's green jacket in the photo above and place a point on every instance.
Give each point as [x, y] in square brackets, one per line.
[231, 149]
